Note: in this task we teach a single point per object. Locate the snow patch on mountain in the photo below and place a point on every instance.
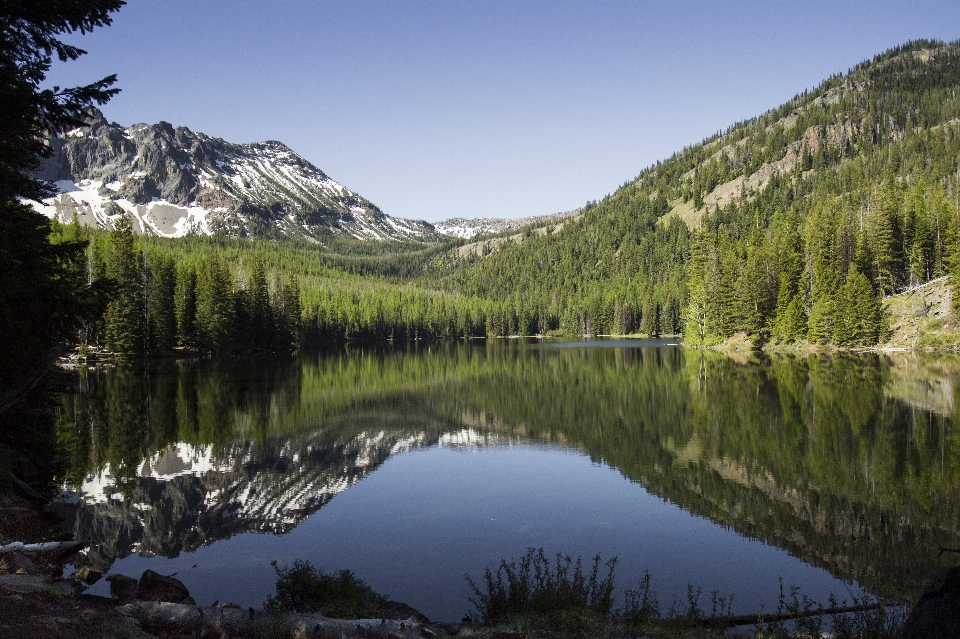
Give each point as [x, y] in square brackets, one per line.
[174, 182]
[466, 228]
[87, 203]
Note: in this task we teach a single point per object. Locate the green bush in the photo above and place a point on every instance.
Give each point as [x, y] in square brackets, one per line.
[303, 588]
[539, 586]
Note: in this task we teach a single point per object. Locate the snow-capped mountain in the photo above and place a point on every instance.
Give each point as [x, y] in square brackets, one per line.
[468, 227]
[173, 181]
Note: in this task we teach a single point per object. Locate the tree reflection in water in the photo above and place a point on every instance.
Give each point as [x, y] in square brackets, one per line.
[847, 461]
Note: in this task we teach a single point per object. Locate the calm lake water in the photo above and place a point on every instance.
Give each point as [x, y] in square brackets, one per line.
[413, 466]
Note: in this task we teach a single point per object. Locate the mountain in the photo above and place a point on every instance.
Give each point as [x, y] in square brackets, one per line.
[174, 181]
[467, 228]
[793, 226]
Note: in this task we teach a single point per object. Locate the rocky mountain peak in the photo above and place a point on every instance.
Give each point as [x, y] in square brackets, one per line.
[173, 181]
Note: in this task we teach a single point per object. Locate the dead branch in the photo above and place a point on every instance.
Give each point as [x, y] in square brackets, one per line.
[62, 548]
[226, 620]
[25, 489]
[743, 620]
[943, 550]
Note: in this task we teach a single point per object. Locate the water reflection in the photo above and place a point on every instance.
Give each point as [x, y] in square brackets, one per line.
[848, 462]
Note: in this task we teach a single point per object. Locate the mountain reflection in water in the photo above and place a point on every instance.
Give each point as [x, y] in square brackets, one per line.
[848, 462]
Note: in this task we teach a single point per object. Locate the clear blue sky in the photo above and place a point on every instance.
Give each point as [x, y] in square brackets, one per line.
[446, 108]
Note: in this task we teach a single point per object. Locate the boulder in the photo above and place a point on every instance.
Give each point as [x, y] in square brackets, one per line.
[20, 564]
[87, 575]
[937, 613]
[123, 588]
[157, 587]
[168, 617]
[23, 584]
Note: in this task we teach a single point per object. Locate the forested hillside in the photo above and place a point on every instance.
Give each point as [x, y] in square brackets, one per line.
[790, 226]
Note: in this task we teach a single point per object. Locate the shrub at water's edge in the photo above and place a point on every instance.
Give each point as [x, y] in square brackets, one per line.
[544, 598]
[541, 587]
[304, 588]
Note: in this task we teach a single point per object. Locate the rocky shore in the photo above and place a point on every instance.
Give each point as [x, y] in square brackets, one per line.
[38, 600]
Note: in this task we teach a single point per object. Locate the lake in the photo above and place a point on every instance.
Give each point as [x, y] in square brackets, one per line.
[415, 465]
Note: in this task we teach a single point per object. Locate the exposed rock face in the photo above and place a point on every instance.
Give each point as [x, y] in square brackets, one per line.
[937, 614]
[174, 181]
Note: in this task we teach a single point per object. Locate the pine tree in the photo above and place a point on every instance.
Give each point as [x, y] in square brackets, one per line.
[125, 317]
[793, 323]
[215, 307]
[864, 313]
[43, 301]
[695, 325]
[243, 333]
[820, 323]
[806, 159]
[161, 307]
[753, 295]
[721, 286]
[887, 238]
[919, 239]
[650, 322]
[260, 311]
[185, 306]
[843, 324]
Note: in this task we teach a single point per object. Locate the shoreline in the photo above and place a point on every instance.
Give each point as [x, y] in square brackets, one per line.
[36, 596]
[34, 599]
